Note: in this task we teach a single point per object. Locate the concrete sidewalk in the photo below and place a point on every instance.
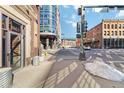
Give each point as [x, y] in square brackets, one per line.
[50, 53]
[33, 76]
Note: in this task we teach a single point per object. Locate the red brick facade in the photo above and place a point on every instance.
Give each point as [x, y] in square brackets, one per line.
[94, 37]
[68, 43]
[78, 42]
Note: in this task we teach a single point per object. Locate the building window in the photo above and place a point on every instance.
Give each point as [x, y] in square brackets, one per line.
[123, 25]
[120, 33]
[115, 26]
[45, 22]
[112, 33]
[105, 33]
[41, 16]
[14, 26]
[41, 22]
[108, 26]
[123, 33]
[108, 33]
[105, 26]
[112, 26]
[116, 33]
[119, 26]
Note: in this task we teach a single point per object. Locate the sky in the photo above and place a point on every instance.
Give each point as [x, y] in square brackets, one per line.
[69, 18]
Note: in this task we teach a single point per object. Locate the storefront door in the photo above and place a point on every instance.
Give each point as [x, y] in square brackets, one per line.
[15, 50]
[13, 43]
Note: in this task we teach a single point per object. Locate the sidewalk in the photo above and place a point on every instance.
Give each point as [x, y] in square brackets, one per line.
[33, 76]
[50, 53]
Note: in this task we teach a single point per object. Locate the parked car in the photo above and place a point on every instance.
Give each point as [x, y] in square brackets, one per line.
[87, 47]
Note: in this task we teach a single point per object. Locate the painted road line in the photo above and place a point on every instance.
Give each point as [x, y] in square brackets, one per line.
[115, 61]
[121, 57]
[109, 56]
[59, 59]
[89, 58]
[122, 65]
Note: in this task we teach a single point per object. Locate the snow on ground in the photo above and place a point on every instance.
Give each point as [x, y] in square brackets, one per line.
[105, 71]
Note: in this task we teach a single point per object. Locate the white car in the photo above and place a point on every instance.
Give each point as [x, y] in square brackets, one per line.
[87, 48]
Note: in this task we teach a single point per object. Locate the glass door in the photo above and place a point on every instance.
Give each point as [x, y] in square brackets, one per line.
[15, 50]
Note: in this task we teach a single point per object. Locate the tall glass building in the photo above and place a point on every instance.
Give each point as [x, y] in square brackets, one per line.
[48, 25]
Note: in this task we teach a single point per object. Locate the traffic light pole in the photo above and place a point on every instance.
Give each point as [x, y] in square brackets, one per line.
[82, 52]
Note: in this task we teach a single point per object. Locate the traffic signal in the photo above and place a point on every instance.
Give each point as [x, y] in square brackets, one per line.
[79, 11]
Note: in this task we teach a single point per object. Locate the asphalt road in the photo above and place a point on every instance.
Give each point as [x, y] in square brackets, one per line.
[68, 71]
[112, 57]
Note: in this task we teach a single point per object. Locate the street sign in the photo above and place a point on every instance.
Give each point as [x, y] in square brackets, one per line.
[78, 35]
[78, 27]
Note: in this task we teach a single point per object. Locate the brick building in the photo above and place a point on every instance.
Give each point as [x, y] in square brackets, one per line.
[107, 34]
[19, 34]
[68, 43]
[94, 37]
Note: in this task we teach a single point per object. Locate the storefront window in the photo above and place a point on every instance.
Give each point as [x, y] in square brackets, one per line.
[15, 26]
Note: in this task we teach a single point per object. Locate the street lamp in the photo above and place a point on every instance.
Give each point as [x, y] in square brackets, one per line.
[82, 53]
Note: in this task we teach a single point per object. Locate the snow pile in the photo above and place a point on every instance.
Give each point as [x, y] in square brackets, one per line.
[105, 71]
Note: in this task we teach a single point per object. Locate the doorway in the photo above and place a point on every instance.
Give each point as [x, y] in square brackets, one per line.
[15, 50]
[13, 43]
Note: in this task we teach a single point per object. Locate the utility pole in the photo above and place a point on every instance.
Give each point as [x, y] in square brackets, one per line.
[82, 52]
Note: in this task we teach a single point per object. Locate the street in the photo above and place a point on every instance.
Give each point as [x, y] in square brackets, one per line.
[68, 71]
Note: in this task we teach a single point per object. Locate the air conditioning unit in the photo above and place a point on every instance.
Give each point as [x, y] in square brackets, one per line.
[6, 77]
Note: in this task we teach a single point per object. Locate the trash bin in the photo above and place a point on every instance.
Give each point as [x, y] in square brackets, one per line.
[36, 61]
[6, 77]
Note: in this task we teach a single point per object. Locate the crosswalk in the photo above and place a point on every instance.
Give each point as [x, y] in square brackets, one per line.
[111, 57]
[85, 80]
[58, 77]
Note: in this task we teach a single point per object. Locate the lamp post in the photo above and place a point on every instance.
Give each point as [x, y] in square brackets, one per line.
[82, 53]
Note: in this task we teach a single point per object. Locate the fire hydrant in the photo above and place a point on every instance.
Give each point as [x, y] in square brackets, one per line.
[45, 53]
